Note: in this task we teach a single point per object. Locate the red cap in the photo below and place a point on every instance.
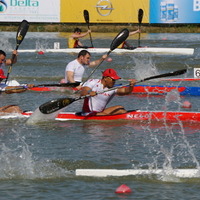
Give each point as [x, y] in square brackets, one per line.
[2, 74]
[111, 73]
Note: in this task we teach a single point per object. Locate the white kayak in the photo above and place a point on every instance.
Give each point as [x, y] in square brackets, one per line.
[181, 51]
[180, 173]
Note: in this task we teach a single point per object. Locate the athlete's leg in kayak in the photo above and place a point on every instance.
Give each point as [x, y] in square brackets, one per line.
[10, 109]
[113, 110]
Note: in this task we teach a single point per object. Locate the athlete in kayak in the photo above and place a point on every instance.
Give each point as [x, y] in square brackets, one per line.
[4, 61]
[4, 87]
[96, 103]
[12, 89]
[75, 69]
[74, 42]
[9, 89]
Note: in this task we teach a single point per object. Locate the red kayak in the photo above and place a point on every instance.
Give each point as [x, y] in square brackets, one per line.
[137, 115]
[48, 89]
[181, 79]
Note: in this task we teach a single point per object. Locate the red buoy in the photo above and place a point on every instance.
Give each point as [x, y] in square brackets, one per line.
[186, 104]
[123, 189]
[40, 52]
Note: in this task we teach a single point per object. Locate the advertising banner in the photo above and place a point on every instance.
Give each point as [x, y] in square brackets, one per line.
[104, 11]
[174, 11]
[31, 10]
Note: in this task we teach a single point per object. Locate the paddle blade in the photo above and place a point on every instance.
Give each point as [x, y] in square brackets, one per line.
[175, 73]
[55, 105]
[121, 37]
[22, 30]
[86, 16]
[140, 16]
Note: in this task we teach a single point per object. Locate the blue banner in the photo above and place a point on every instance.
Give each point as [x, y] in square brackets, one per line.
[174, 11]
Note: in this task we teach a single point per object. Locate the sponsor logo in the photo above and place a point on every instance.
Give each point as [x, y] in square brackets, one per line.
[18, 3]
[138, 116]
[104, 7]
[3, 6]
[24, 3]
[19, 37]
[196, 5]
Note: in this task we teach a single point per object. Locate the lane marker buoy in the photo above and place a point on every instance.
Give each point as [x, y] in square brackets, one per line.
[123, 189]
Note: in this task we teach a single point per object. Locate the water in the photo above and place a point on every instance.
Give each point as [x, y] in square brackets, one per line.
[38, 161]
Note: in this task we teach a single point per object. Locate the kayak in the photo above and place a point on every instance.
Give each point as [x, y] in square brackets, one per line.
[181, 79]
[180, 173]
[182, 51]
[137, 115]
[140, 89]
[54, 88]
[157, 89]
[132, 115]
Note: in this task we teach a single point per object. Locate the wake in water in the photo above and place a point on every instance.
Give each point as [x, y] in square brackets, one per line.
[39, 117]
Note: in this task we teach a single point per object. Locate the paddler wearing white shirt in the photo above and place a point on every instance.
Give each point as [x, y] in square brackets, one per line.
[75, 69]
[96, 103]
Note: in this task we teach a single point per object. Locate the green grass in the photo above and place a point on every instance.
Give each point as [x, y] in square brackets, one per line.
[104, 28]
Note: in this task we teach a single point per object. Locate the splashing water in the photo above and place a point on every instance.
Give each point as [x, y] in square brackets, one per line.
[41, 45]
[173, 96]
[18, 163]
[38, 116]
[168, 145]
[144, 68]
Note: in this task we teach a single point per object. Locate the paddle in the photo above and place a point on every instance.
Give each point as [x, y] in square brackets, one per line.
[121, 37]
[21, 32]
[87, 20]
[58, 85]
[140, 16]
[57, 104]
[72, 85]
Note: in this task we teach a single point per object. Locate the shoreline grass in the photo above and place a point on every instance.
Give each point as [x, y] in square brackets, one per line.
[104, 28]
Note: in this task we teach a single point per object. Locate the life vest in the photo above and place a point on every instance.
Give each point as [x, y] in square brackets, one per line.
[72, 42]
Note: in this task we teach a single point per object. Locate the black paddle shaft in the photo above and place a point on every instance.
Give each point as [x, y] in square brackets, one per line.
[121, 37]
[140, 17]
[21, 32]
[57, 104]
[87, 20]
